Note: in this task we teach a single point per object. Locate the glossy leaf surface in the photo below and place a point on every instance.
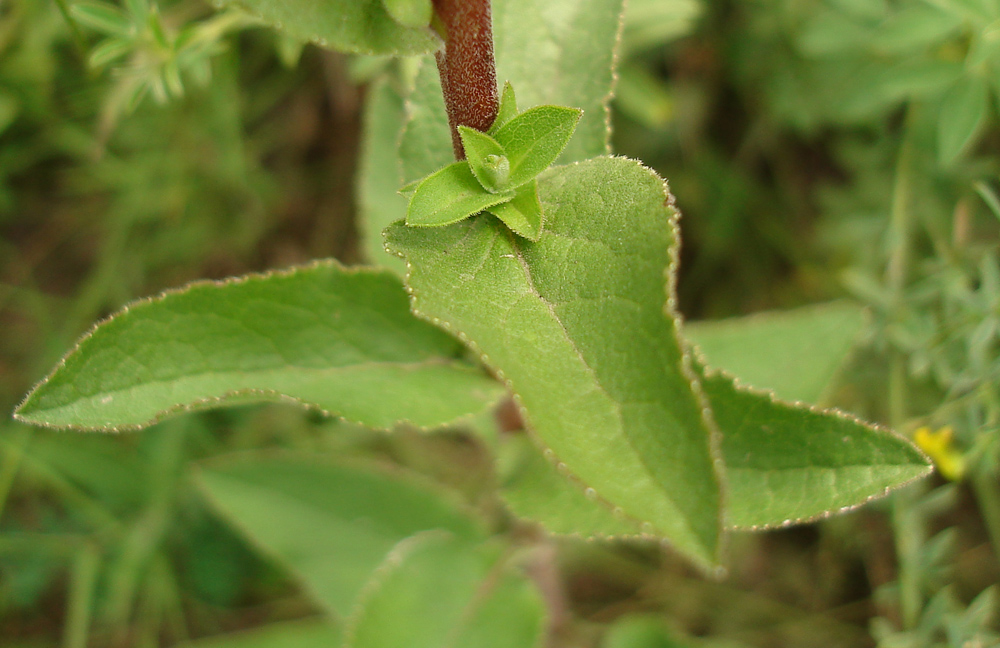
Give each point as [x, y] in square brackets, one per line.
[331, 525]
[576, 324]
[322, 335]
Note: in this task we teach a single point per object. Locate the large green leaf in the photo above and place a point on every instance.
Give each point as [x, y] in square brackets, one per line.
[793, 353]
[337, 339]
[579, 327]
[331, 525]
[436, 591]
[360, 26]
[784, 463]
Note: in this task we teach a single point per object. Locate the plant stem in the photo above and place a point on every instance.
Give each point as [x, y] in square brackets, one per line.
[908, 521]
[467, 68]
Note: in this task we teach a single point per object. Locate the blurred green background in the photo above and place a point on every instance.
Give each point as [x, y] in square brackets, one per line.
[818, 149]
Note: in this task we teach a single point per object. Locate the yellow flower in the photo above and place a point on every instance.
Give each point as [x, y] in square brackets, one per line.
[939, 447]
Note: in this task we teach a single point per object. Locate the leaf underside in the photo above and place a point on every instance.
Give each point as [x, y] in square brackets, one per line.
[320, 334]
[576, 326]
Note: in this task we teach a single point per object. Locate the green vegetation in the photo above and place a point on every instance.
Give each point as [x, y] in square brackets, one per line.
[833, 164]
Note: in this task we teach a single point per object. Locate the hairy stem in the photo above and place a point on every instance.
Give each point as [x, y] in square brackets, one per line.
[467, 68]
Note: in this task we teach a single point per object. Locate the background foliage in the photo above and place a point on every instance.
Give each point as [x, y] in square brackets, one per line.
[817, 149]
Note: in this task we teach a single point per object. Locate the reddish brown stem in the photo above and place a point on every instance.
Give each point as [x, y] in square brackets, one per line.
[467, 69]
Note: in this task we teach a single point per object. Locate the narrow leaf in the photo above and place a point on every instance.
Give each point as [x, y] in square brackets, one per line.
[962, 115]
[437, 590]
[322, 335]
[486, 158]
[576, 325]
[359, 26]
[331, 525]
[409, 13]
[448, 196]
[795, 353]
[103, 17]
[535, 138]
[523, 214]
[507, 110]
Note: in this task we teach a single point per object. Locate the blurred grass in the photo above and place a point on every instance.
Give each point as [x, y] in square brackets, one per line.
[787, 199]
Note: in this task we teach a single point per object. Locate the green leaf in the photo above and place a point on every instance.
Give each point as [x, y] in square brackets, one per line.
[425, 144]
[534, 490]
[410, 13]
[448, 196]
[378, 172]
[562, 52]
[322, 335]
[358, 26]
[103, 17]
[507, 110]
[330, 524]
[486, 158]
[793, 353]
[534, 139]
[577, 325]
[523, 214]
[963, 112]
[539, 51]
[787, 464]
[437, 590]
[108, 51]
[643, 631]
[653, 23]
[310, 633]
[784, 463]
